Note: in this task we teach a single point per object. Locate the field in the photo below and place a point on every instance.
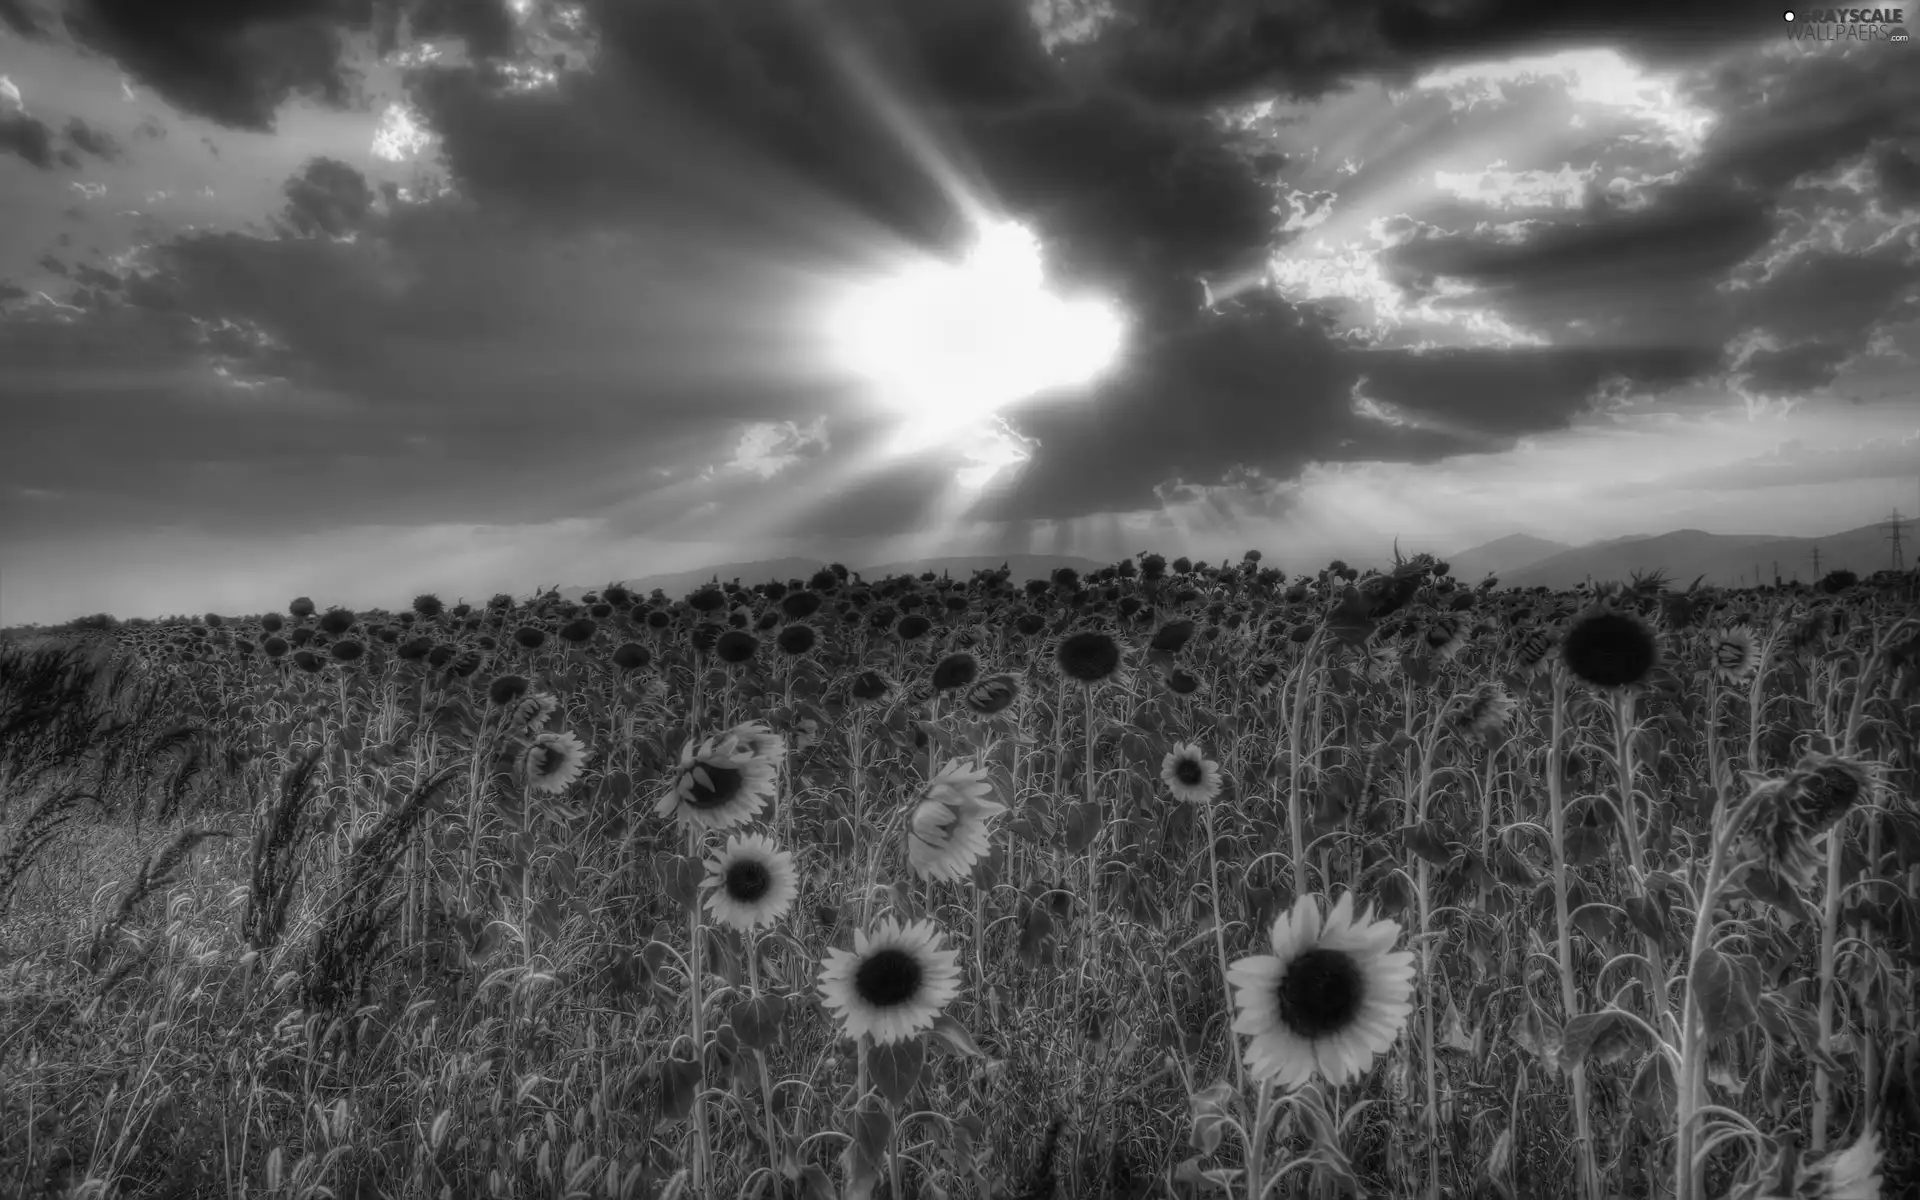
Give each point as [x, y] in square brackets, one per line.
[1181, 880]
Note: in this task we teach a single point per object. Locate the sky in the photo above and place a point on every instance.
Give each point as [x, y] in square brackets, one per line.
[363, 298]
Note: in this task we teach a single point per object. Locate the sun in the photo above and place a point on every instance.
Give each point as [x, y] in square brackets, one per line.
[946, 344]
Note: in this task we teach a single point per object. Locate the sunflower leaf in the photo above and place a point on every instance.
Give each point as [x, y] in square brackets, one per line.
[1608, 1035]
[1212, 1107]
[895, 1069]
[950, 1031]
[1724, 992]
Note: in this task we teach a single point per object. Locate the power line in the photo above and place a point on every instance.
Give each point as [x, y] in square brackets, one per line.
[1894, 526]
[1816, 562]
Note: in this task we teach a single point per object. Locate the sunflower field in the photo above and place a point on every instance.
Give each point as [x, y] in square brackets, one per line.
[1172, 880]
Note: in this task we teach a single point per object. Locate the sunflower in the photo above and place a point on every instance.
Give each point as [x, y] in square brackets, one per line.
[532, 713]
[720, 783]
[1446, 636]
[761, 740]
[553, 761]
[1610, 648]
[1736, 656]
[893, 984]
[1089, 656]
[948, 833]
[1485, 710]
[1189, 775]
[1533, 652]
[869, 686]
[752, 882]
[1825, 788]
[1853, 1173]
[954, 671]
[1262, 675]
[994, 694]
[1329, 998]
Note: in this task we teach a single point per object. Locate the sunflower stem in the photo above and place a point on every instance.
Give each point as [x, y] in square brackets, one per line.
[1294, 832]
[1220, 947]
[766, 1082]
[702, 1181]
[1257, 1142]
[1569, 994]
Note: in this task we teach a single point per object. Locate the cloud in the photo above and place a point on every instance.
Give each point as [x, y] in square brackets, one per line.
[1799, 463]
[28, 137]
[620, 216]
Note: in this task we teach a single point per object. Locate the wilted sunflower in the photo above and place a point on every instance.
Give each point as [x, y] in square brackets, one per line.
[553, 761]
[1736, 656]
[1610, 648]
[752, 882]
[948, 832]
[894, 983]
[1329, 998]
[1182, 682]
[994, 694]
[1796, 810]
[1261, 676]
[1827, 787]
[1189, 774]
[532, 713]
[1534, 650]
[869, 686]
[719, 784]
[1446, 636]
[1485, 710]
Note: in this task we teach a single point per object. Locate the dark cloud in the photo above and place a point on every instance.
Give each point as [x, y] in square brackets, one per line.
[27, 137]
[9, 293]
[328, 197]
[231, 61]
[1177, 50]
[89, 140]
[611, 286]
[24, 17]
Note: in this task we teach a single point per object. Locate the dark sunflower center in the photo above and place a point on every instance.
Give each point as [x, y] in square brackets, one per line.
[1188, 772]
[546, 760]
[726, 785]
[1321, 993]
[887, 977]
[748, 880]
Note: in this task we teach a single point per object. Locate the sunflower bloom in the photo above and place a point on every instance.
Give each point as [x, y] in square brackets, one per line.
[761, 740]
[1189, 774]
[1329, 999]
[719, 784]
[948, 833]
[553, 761]
[751, 883]
[893, 984]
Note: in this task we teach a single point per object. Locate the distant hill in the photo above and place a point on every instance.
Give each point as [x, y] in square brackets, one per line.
[1726, 560]
[1021, 568]
[1509, 553]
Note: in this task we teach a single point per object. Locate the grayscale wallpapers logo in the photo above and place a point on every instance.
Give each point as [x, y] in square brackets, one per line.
[1847, 25]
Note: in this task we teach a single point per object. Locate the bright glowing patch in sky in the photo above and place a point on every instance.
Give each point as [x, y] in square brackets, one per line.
[945, 344]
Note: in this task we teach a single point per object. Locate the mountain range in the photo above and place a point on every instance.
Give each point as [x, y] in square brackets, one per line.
[1020, 567]
[1518, 560]
[1723, 559]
